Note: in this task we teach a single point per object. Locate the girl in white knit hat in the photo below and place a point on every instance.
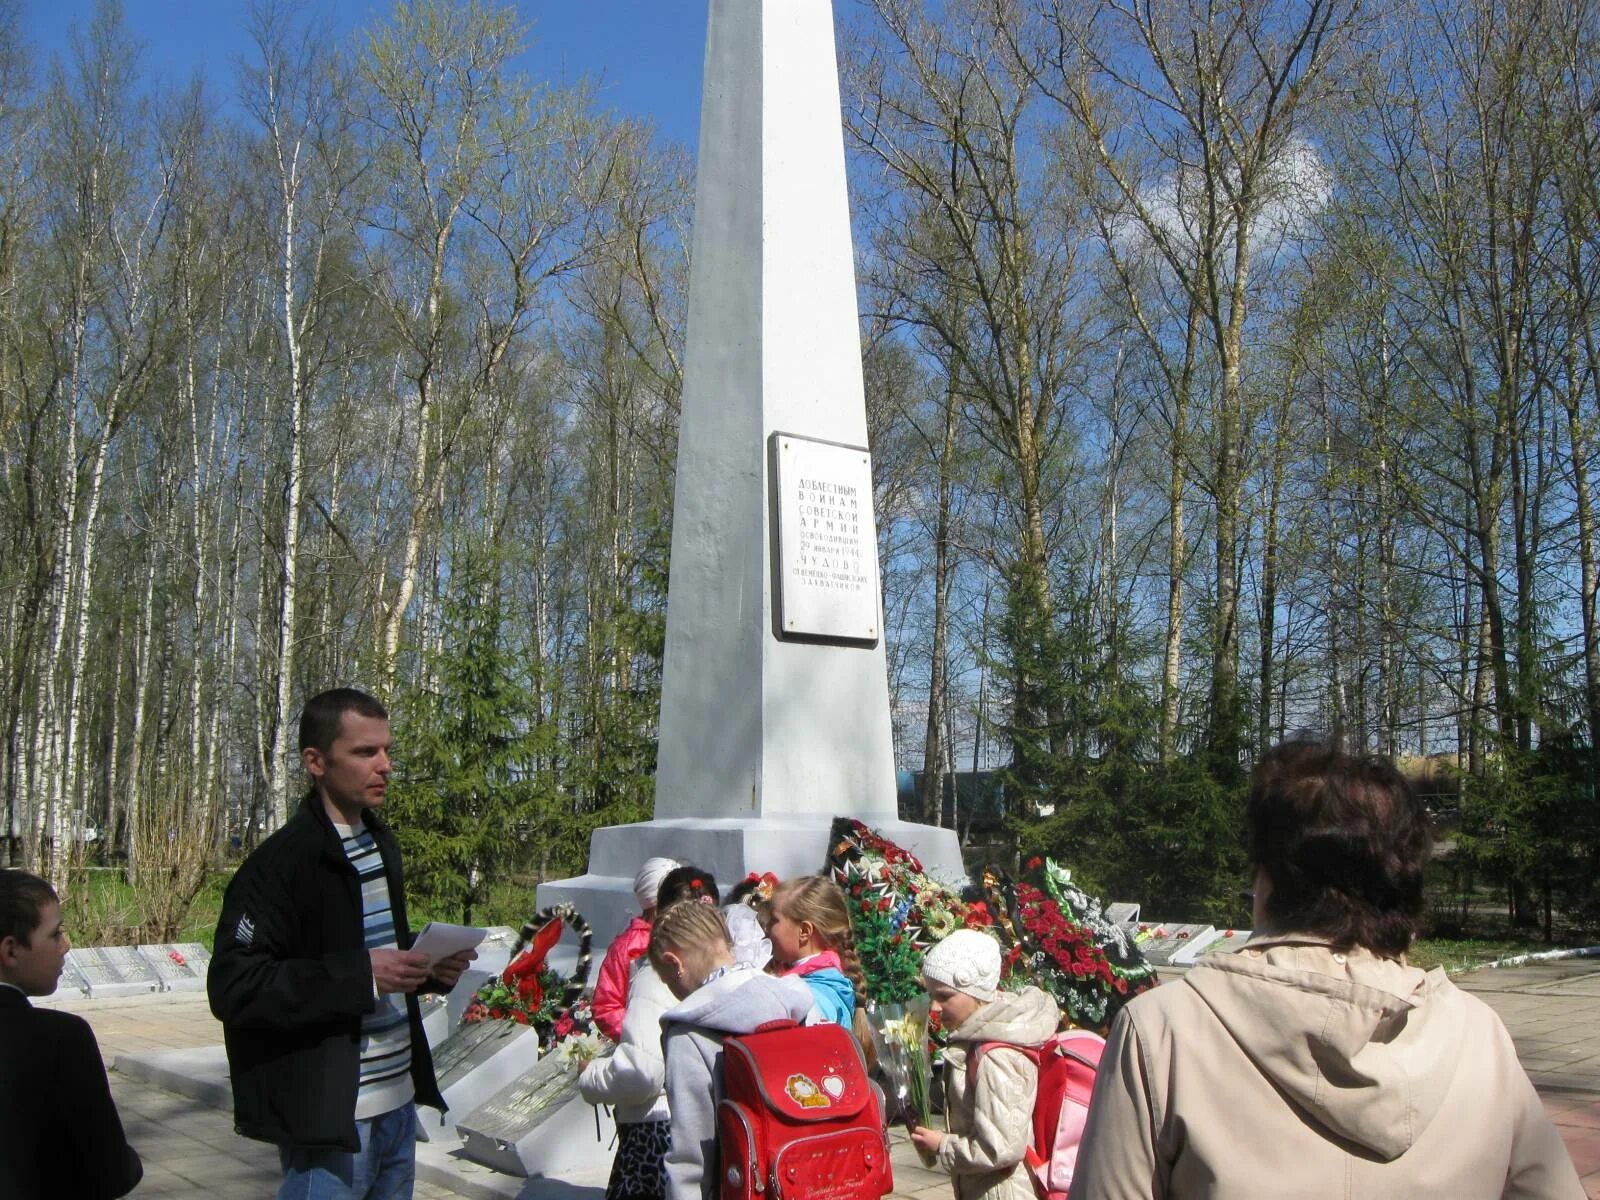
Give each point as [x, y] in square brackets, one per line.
[989, 1111]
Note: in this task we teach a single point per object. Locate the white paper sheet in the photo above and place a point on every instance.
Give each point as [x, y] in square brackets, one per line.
[439, 939]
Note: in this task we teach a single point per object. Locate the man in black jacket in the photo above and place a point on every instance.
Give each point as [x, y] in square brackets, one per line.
[59, 1130]
[313, 980]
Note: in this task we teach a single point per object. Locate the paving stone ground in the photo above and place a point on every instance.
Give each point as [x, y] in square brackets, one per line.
[189, 1149]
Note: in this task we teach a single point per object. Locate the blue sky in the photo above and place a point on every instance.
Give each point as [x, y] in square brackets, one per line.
[645, 54]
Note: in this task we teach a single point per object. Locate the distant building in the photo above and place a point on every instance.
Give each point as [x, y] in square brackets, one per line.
[974, 802]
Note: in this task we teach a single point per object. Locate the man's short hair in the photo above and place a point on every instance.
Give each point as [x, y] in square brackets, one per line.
[22, 900]
[323, 715]
[1344, 841]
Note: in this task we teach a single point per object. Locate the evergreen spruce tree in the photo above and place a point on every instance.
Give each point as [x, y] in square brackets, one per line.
[469, 801]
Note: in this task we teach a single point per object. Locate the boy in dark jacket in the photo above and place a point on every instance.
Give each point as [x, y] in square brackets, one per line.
[59, 1130]
[313, 979]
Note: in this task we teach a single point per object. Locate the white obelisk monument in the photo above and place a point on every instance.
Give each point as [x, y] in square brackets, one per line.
[775, 699]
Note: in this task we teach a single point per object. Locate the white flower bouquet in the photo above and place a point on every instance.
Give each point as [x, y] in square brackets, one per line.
[900, 1036]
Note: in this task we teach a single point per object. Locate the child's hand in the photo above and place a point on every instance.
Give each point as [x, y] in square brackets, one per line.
[927, 1139]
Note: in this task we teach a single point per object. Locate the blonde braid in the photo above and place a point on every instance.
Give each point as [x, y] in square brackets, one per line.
[818, 899]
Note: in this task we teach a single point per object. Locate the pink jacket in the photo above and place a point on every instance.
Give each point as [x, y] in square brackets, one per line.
[611, 990]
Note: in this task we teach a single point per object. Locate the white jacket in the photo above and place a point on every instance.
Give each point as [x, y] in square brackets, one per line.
[633, 1077]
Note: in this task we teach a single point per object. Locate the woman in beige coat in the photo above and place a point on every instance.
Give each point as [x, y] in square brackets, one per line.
[989, 1111]
[1316, 1062]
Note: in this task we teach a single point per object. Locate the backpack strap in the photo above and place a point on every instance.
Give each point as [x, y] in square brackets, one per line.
[1031, 1053]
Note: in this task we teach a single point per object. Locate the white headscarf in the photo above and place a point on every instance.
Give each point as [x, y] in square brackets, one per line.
[648, 881]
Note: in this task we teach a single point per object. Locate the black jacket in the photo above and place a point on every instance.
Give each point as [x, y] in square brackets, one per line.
[59, 1130]
[290, 979]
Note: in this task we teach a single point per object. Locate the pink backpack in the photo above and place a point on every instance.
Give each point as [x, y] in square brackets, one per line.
[1067, 1063]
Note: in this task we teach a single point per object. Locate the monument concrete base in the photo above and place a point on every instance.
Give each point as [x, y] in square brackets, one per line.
[730, 849]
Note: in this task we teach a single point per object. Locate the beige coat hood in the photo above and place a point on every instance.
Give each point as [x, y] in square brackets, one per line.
[1368, 1052]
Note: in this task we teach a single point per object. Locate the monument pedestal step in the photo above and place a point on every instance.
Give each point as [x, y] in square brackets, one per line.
[730, 848]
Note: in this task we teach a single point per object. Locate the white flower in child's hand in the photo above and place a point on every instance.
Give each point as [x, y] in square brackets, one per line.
[582, 1050]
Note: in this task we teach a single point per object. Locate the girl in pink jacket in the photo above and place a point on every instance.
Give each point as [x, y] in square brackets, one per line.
[611, 990]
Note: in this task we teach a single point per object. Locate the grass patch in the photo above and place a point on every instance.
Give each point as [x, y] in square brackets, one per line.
[1462, 954]
[102, 910]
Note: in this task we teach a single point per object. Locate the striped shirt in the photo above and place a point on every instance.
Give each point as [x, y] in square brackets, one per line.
[386, 1031]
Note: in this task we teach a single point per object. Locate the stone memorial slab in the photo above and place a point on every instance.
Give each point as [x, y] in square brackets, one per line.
[538, 1125]
[180, 968]
[1122, 913]
[826, 544]
[133, 967]
[1162, 942]
[435, 1018]
[115, 971]
[72, 978]
[1227, 941]
[475, 1061]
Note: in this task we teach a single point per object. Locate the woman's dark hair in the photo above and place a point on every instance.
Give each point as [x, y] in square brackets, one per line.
[1344, 841]
[686, 883]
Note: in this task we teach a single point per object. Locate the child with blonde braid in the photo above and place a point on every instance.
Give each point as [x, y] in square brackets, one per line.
[810, 930]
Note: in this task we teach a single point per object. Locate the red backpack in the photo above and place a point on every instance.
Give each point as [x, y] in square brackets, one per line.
[1067, 1063]
[799, 1120]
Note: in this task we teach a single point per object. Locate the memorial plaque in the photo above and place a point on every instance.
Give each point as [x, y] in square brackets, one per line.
[826, 543]
[72, 978]
[538, 1125]
[1162, 942]
[133, 967]
[179, 968]
[476, 1061]
[1122, 913]
[92, 965]
[115, 971]
[470, 1047]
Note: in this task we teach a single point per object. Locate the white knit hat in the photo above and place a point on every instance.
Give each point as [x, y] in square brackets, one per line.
[648, 881]
[966, 960]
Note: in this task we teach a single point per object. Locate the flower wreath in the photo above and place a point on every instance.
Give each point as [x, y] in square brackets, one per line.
[529, 992]
[1048, 946]
[896, 910]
